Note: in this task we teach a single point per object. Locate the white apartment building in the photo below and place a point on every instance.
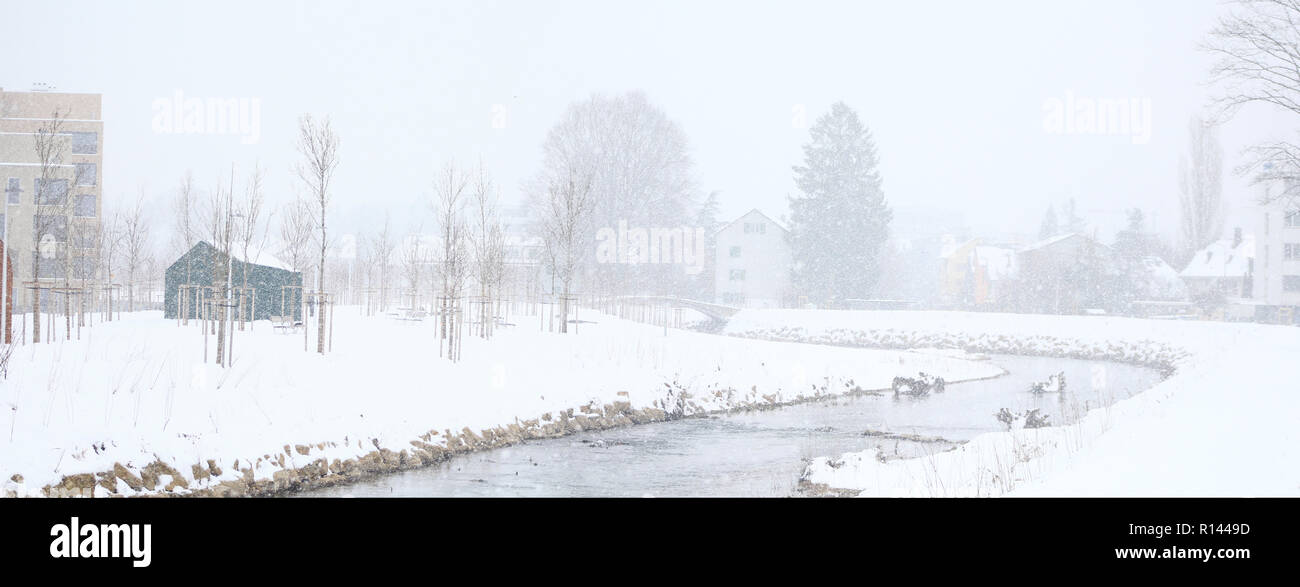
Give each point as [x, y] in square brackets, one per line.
[752, 263]
[66, 203]
[1277, 251]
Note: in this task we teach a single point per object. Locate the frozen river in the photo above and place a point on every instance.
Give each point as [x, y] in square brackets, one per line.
[759, 453]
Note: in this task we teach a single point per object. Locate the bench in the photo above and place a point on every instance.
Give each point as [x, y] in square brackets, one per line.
[285, 322]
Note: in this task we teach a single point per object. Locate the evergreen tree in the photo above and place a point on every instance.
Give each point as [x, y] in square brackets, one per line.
[1050, 227]
[1073, 223]
[1132, 246]
[840, 221]
[707, 218]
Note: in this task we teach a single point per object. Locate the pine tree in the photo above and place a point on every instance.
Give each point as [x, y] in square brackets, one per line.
[1050, 227]
[1073, 223]
[706, 218]
[840, 221]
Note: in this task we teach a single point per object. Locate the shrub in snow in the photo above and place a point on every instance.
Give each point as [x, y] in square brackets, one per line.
[1055, 383]
[674, 401]
[1032, 418]
[918, 386]
[1035, 420]
[1007, 417]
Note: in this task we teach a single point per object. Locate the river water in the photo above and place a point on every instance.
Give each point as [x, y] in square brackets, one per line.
[760, 453]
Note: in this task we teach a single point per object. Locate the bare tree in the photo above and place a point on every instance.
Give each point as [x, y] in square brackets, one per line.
[184, 209]
[83, 259]
[54, 204]
[135, 242]
[319, 148]
[414, 257]
[153, 271]
[449, 210]
[250, 240]
[218, 223]
[489, 244]
[109, 244]
[295, 238]
[638, 164]
[382, 245]
[564, 216]
[1200, 187]
[1257, 50]
[365, 266]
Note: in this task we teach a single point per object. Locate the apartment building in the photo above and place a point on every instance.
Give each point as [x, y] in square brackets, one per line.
[1277, 266]
[52, 204]
[752, 263]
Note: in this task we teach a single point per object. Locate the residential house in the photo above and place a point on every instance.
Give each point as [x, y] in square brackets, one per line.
[752, 263]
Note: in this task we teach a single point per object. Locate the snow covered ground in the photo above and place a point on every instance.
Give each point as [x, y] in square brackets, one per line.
[1224, 424]
[134, 400]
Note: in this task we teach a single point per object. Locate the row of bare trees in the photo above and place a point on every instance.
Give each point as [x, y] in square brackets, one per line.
[77, 252]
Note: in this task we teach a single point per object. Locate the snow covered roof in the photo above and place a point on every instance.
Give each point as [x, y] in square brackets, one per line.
[1161, 281]
[258, 256]
[1051, 241]
[748, 214]
[1222, 259]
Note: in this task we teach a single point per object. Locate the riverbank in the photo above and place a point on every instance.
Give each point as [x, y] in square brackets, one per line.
[132, 409]
[759, 452]
[1221, 424]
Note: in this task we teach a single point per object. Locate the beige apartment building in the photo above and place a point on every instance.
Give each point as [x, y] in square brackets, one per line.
[61, 202]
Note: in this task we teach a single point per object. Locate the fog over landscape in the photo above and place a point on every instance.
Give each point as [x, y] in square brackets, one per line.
[955, 94]
[624, 249]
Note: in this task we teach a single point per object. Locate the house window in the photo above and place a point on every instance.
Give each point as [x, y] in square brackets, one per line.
[86, 267]
[14, 190]
[1291, 251]
[55, 227]
[47, 267]
[84, 206]
[737, 275]
[1292, 219]
[84, 143]
[51, 193]
[733, 298]
[87, 174]
[735, 251]
[85, 236]
[1291, 283]
[755, 228]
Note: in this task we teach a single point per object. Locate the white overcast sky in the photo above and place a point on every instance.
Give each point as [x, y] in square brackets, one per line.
[954, 92]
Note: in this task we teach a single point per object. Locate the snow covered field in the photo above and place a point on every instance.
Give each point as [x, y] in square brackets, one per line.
[1225, 424]
[132, 405]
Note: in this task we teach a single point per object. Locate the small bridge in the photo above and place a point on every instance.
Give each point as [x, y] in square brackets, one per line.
[716, 312]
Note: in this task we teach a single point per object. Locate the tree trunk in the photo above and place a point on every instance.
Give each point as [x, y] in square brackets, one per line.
[36, 315]
[320, 300]
[221, 335]
[564, 310]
